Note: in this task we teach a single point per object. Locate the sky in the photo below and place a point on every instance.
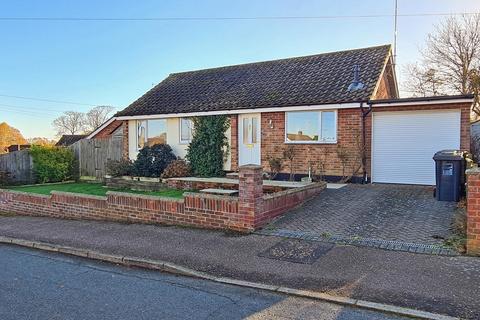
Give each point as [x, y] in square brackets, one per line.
[114, 62]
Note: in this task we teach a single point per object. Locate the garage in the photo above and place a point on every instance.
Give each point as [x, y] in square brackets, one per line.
[404, 142]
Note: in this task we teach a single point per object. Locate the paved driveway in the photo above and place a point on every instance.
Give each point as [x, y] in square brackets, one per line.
[401, 213]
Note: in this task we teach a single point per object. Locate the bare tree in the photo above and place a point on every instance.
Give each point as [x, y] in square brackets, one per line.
[97, 116]
[452, 51]
[423, 82]
[71, 122]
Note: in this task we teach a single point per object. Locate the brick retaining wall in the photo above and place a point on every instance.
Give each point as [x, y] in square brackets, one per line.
[245, 213]
[473, 211]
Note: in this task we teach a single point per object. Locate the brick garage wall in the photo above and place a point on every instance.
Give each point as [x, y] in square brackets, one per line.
[473, 211]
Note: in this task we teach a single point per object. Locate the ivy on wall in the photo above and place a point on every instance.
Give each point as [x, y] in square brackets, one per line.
[209, 146]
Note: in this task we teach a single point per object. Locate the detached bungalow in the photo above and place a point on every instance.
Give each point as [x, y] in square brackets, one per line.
[325, 105]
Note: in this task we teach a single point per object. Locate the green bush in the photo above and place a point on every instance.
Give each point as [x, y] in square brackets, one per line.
[52, 164]
[118, 168]
[152, 161]
[209, 147]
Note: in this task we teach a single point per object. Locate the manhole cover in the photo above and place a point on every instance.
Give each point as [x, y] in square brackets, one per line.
[298, 251]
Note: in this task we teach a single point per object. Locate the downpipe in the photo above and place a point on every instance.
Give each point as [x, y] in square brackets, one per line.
[365, 112]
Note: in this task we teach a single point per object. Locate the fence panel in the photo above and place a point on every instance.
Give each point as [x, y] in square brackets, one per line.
[19, 164]
[92, 155]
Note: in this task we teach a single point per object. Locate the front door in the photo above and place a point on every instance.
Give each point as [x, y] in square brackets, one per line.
[249, 139]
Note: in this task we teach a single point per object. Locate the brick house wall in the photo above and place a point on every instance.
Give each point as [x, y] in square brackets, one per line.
[349, 130]
[310, 155]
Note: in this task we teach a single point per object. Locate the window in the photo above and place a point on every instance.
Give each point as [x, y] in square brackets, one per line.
[150, 132]
[141, 133]
[250, 127]
[156, 132]
[311, 127]
[186, 130]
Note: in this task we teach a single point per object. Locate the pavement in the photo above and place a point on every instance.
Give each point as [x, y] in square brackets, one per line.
[63, 287]
[408, 214]
[439, 284]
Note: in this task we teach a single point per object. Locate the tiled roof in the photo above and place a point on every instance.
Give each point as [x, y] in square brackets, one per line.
[317, 79]
[69, 139]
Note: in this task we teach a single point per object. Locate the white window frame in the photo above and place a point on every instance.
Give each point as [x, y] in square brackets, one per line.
[146, 130]
[180, 131]
[137, 122]
[320, 141]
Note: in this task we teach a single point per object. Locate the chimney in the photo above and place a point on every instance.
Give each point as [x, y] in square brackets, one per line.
[356, 84]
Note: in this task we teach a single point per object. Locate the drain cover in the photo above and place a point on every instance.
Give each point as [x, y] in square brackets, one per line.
[297, 251]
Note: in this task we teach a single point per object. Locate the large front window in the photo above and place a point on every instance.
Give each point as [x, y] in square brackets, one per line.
[150, 132]
[311, 127]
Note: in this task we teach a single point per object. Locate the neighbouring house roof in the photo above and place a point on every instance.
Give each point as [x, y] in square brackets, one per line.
[69, 139]
[17, 147]
[310, 80]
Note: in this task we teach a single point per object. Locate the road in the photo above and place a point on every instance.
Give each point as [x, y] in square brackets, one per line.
[42, 285]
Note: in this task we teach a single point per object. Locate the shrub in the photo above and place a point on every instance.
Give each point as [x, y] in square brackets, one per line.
[52, 164]
[209, 147]
[177, 168]
[118, 168]
[152, 161]
[290, 154]
[276, 165]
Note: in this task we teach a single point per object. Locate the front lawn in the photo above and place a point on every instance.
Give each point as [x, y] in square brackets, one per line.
[95, 189]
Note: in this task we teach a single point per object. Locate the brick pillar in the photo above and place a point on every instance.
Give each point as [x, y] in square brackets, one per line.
[473, 211]
[234, 142]
[125, 150]
[250, 192]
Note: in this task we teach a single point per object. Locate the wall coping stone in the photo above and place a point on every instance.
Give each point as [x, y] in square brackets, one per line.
[46, 196]
[80, 195]
[210, 196]
[295, 190]
[143, 196]
[474, 170]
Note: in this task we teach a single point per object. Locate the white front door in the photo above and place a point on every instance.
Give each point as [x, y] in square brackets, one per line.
[249, 139]
[403, 144]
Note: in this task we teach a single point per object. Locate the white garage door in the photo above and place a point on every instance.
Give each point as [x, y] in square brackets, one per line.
[403, 144]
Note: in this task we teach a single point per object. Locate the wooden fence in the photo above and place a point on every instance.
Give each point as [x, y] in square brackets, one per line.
[92, 155]
[19, 165]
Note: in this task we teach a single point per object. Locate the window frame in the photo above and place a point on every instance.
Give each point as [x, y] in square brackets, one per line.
[319, 119]
[146, 130]
[181, 141]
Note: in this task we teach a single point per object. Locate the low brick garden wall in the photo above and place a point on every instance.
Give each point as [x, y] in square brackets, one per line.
[245, 213]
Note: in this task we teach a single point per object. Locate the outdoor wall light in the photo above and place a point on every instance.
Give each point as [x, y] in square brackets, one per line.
[270, 123]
